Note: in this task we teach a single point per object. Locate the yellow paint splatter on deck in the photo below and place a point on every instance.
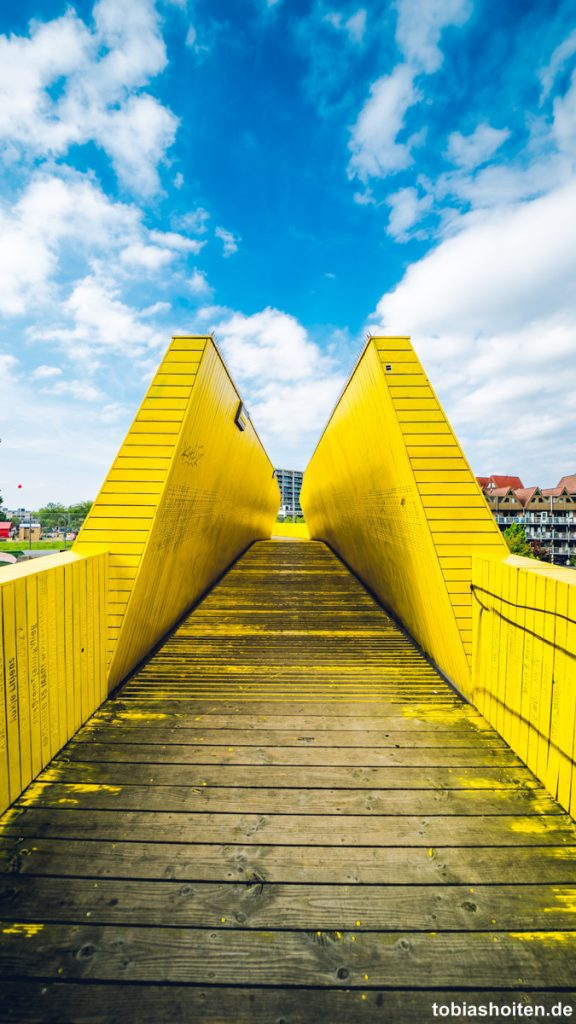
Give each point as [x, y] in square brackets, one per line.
[532, 827]
[545, 937]
[564, 901]
[79, 787]
[477, 782]
[7, 818]
[27, 930]
[140, 716]
[433, 715]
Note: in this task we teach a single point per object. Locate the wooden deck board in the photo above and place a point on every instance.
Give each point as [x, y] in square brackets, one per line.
[113, 773]
[285, 815]
[57, 1003]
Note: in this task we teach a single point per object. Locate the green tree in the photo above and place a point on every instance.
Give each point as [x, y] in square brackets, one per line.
[515, 537]
[78, 512]
[51, 515]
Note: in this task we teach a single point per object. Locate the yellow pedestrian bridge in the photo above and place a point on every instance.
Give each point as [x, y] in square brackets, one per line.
[265, 779]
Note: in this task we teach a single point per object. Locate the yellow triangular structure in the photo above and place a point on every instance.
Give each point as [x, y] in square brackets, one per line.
[389, 488]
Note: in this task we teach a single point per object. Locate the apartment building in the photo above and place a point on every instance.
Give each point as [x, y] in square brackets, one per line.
[548, 514]
[290, 484]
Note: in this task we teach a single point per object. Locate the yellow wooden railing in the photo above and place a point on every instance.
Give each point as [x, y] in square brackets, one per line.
[524, 665]
[388, 488]
[292, 531]
[52, 660]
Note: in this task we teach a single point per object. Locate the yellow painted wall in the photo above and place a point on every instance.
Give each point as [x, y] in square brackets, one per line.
[52, 660]
[187, 493]
[524, 665]
[389, 489]
[296, 531]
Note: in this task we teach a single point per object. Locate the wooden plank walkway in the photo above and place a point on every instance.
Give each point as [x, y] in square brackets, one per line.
[285, 816]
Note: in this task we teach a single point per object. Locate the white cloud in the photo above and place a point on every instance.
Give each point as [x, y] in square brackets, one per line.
[406, 209]
[503, 264]
[174, 240]
[375, 149]
[8, 364]
[209, 315]
[560, 57]
[195, 221]
[46, 372]
[82, 390]
[297, 412]
[289, 384]
[545, 163]
[199, 285]
[57, 217]
[168, 245]
[420, 26]
[498, 185]
[191, 37]
[28, 66]
[270, 345]
[147, 257]
[58, 446]
[492, 311]
[136, 137]
[113, 412]
[564, 126]
[101, 322]
[354, 26]
[99, 75]
[229, 241]
[469, 151]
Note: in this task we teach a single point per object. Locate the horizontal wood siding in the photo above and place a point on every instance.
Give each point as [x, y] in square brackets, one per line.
[389, 488]
[186, 494]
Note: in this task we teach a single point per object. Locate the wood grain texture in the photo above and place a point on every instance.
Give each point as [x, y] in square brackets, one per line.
[285, 815]
[28, 1002]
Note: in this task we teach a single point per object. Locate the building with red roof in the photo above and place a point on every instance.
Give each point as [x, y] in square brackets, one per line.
[496, 482]
[547, 514]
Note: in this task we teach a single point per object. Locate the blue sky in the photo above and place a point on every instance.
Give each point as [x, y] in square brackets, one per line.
[292, 175]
